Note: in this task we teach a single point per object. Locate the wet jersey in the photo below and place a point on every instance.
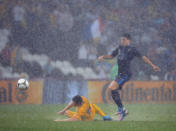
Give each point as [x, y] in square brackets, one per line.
[83, 112]
[125, 56]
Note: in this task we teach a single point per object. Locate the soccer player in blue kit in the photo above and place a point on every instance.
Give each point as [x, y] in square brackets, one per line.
[125, 54]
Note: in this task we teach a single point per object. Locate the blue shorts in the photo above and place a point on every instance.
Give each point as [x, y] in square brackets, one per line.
[121, 79]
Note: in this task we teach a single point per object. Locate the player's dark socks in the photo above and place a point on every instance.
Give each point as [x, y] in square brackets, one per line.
[116, 97]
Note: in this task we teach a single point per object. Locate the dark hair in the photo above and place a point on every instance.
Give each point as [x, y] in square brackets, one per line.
[77, 100]
[126, 35]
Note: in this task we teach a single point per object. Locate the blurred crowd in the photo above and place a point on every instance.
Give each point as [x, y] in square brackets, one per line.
[78, 31]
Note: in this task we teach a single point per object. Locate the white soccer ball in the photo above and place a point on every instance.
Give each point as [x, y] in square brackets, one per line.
[23, 84]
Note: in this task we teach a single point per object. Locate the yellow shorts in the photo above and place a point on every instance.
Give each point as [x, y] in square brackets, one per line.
[84, 117]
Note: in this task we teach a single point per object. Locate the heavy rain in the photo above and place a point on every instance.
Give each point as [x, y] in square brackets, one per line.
[56, 46]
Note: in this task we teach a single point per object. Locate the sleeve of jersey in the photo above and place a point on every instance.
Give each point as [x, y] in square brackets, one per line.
[82, 110]
[115, 52]
[136, 53]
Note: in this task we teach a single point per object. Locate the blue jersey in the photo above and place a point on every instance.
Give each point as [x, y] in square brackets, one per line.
[125, 55]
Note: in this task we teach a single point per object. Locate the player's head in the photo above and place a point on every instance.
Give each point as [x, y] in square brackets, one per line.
[125, 39]
[77, 100]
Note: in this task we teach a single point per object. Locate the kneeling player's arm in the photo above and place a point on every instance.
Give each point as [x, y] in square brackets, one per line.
[71, 104]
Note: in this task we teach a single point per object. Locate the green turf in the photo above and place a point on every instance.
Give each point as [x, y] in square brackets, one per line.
[142, 117]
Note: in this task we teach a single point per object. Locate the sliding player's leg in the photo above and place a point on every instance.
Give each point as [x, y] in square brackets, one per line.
[100, 112]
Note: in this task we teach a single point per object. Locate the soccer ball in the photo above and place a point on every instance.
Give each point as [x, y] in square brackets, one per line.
[22, 84]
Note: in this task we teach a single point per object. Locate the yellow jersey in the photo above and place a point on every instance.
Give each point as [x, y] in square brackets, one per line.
[85, 111]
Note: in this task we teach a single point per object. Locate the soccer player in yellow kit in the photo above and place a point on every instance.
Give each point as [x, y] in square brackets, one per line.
[85, 111]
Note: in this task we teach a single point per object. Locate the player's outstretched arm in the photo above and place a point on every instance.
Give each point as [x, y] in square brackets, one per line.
[69, 119]
[146, 60]
[100, 58]
[62, 112]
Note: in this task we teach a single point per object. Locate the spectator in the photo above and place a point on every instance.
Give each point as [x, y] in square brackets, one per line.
[5, 56]
[170, 76]
[141, 76]
[83, 52]
[16, 56]
[19, 23]
[19, 12]
[63, 18]
[47, 68]
[24, 75]
[4, 38]
[100, 71]
[92, 52]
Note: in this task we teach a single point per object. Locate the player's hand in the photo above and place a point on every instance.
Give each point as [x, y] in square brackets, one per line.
[156, 68]
[100, 58]
[57, 120]
[61, 112]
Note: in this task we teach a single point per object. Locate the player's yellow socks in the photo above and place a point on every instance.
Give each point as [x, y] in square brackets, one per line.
[98, 110]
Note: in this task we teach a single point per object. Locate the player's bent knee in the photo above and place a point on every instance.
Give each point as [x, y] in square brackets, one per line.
[110, 87]
[113, 86]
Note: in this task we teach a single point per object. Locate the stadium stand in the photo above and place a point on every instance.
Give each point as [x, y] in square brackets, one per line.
[63, 39]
